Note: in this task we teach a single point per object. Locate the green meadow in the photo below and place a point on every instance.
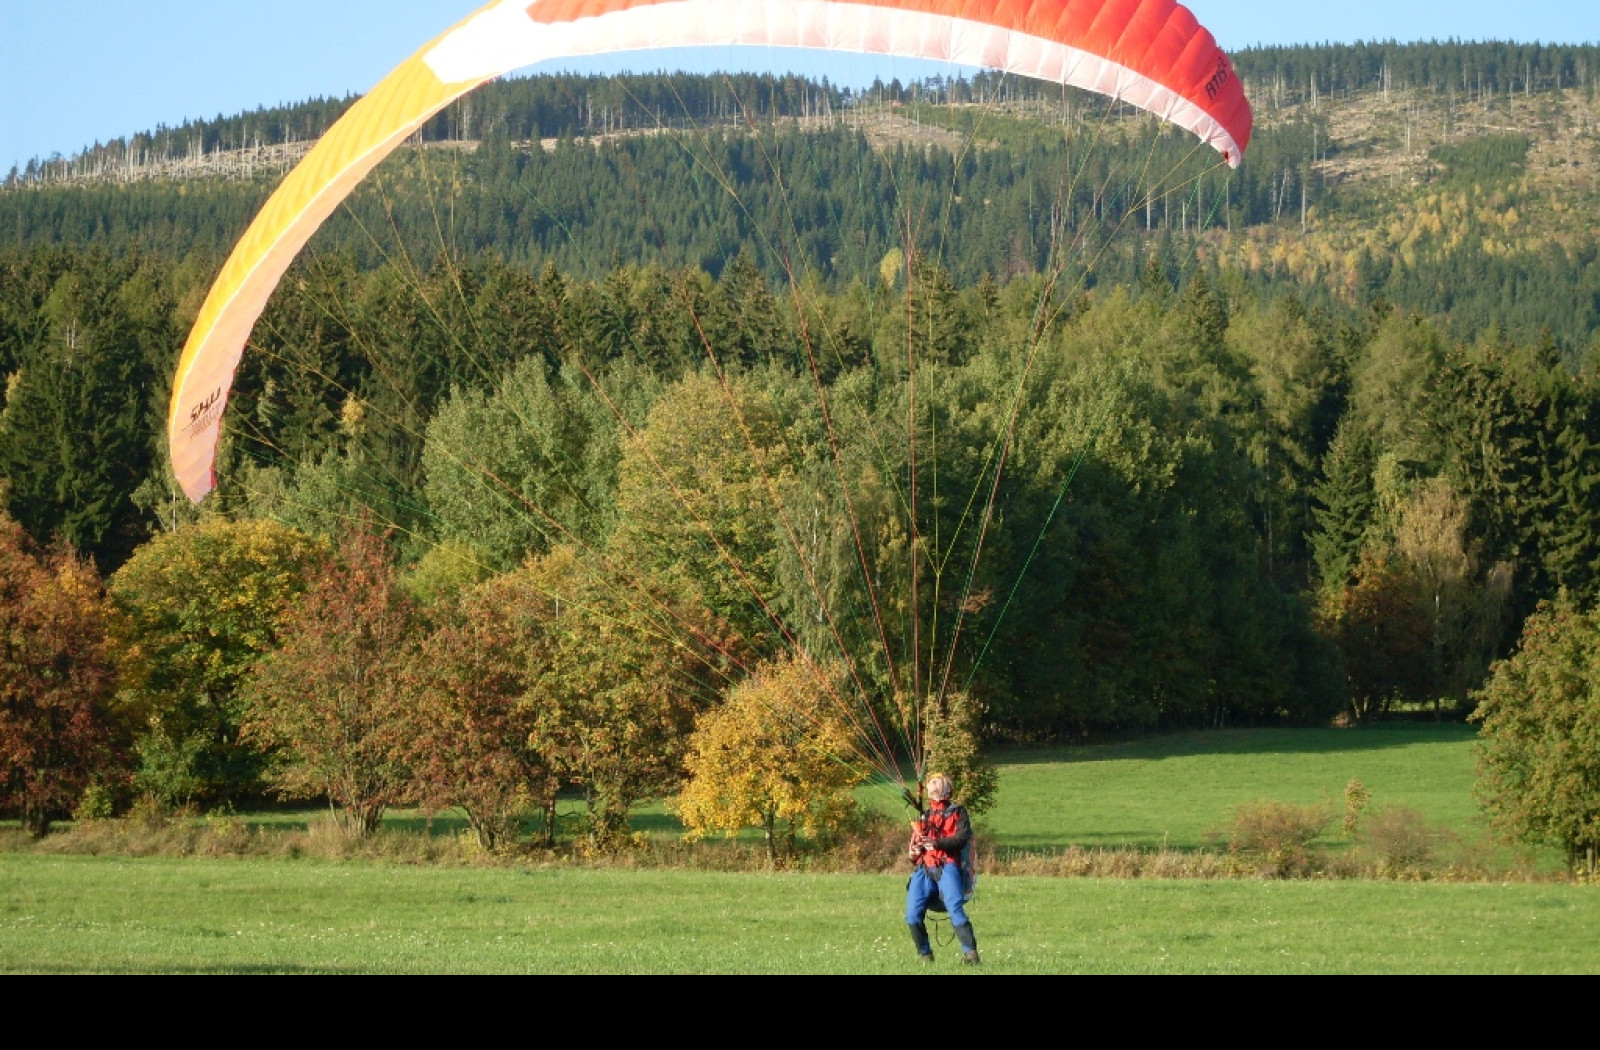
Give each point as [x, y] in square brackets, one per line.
[1177, 790]
[1174, 791]
[80, 914]
[66, 913]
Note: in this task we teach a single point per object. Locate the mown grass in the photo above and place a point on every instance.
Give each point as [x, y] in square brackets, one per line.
[1176, 790]
[408, 912]
[1171, 790]
[1174, 794]
[77, 914]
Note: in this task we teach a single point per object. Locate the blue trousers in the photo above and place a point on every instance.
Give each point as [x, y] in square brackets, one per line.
[945, 884]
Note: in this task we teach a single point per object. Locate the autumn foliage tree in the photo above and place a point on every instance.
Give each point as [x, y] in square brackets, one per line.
[469, 733]
[1465, 607]
[195, 609]
[1384, 636]
[55, 675]
[779, 754]
[326, 701]
[1539, 757]
[628, 669]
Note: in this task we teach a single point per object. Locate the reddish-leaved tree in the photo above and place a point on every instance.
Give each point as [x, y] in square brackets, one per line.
[470, 735]
[55, 675]
[328, 698]
[1384, 635]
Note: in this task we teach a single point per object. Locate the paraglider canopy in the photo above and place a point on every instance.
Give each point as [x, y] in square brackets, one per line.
[1148, 53]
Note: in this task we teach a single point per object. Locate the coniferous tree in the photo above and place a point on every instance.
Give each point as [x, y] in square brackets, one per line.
[1346, 502]
[73, 437]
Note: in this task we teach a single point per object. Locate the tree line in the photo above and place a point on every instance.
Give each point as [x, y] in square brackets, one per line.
[605, 512]
[570, 105]
[1475, 244]
[1216, 508]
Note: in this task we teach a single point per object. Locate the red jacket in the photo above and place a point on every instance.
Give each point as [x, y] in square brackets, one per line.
[946, 827]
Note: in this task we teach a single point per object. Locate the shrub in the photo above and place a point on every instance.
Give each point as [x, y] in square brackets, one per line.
[776, 755]
[167, 767]
[98, 803]
[1400, 842]
[1279, 834]
[871, 840]
[952, 738]
[1356, 798]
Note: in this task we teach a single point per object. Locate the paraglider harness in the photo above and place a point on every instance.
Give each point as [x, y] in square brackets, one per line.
[943, 825]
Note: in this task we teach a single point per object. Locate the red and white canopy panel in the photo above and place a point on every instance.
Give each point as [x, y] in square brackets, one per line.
[1148, 53]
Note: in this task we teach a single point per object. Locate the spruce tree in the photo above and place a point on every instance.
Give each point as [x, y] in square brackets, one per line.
[74, 441]
[1345, 502]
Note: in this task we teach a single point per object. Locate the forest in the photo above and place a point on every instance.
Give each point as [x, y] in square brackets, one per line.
[968, 390]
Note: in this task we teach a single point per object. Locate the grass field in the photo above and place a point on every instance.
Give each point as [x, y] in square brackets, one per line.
[62, 913]
[1169, 791]
[76, 914]
[1174, 790]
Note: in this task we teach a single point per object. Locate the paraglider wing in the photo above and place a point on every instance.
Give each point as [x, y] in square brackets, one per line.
[1148, 53]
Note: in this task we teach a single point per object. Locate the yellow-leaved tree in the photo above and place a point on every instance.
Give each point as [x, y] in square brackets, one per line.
[779, 755]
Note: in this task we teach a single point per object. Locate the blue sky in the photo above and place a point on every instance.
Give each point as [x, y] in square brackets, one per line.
[76, 71]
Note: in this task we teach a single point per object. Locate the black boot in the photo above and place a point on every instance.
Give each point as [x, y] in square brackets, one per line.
[919, 937]
[969, 944]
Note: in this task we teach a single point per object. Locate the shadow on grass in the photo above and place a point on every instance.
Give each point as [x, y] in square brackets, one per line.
[450, 823]
[220, 968]
[1245, 742]
[446, 824]
[656, 823]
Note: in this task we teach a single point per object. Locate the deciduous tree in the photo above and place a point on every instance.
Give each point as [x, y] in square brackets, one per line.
[515, 469]
[327, 699]
[1539, 757]
[696, 501]
[1463, 608]
[629, 668]
[55, 675]
[1384, 635]
[778, 755]
[469, 733]
[195, 609]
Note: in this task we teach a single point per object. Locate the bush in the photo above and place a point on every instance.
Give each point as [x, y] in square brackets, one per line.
[776, 755]
[167, 767]
[1279, 836]
[1356, 798]
[952, 737]
[98, 803]
[1400, 842]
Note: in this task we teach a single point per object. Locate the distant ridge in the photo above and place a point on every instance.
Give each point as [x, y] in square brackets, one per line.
[554, 106]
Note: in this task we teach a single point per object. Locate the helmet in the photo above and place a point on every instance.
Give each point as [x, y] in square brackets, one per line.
[939, 787]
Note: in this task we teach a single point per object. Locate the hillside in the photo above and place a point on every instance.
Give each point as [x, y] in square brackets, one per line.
[1242, 418]
[1457, 203]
